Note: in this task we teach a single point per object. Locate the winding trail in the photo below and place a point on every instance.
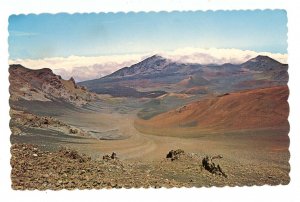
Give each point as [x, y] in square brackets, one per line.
[248, 147]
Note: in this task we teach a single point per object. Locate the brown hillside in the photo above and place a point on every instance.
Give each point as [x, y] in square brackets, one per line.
[44, 85]
[252, 109]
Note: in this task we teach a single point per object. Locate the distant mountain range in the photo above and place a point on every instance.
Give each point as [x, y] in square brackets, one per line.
[156, 76]
[185, 95]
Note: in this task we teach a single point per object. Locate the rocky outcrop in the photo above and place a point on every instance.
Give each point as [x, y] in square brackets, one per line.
[44, 85]
[175, 154]
[210, 166]
[28, 120]
[107, 157]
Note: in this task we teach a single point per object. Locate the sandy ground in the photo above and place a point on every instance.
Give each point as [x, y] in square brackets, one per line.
[262, 155]
[249, 157]
[135, 145]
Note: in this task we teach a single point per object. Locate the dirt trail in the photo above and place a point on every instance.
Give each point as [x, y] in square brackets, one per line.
[131, 144]
[247, 148]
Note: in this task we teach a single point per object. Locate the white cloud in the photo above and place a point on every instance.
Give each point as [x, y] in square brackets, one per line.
[218, 56]
[85, 68]
[81, 67]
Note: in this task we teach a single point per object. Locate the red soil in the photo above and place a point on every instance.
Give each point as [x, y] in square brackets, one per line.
[259, 108]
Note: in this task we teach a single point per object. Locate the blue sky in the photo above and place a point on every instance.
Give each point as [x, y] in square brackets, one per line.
[62, 35]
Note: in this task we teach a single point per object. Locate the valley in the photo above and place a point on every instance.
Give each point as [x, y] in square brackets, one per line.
[144, 111]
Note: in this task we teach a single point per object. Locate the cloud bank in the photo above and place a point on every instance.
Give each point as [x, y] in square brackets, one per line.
[88, 67]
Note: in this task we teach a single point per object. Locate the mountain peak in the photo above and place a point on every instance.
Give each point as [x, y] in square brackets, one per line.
[262, 58]
[156, 56]
[153, 58]
[262, 63]
[150, 65]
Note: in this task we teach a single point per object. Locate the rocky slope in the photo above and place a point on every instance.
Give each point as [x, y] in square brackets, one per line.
[44, 85]
[21, 120]
[33, 168]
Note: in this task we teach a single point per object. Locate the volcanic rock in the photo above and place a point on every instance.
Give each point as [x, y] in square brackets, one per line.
[175, 154]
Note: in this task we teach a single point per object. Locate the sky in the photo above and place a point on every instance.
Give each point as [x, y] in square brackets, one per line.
[105, 42]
